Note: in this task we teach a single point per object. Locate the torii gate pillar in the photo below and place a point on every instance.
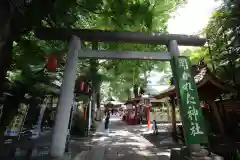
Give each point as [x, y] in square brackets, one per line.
[60, 130]
[174, 51]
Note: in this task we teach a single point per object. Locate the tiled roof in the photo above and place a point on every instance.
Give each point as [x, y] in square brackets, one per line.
[203, 73]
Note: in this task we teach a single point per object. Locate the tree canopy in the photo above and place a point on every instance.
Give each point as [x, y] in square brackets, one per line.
[134, 15]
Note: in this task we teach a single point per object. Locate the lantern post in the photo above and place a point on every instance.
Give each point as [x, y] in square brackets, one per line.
[90, 114]
[89, 92]
[65, 101]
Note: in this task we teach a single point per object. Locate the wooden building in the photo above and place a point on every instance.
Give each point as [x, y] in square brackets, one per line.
[133, 111]
[216, 109]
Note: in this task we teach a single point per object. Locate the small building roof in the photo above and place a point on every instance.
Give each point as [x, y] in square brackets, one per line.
[133, 101]
[209, 86]
[114, 102]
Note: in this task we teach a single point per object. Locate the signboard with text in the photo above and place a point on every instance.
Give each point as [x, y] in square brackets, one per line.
[191, 113]
[15, 125]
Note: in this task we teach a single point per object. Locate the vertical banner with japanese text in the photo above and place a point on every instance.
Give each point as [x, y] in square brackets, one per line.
[14, 128]
[192, 117]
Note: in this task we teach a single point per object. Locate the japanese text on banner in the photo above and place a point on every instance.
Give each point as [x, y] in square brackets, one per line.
[193, 113]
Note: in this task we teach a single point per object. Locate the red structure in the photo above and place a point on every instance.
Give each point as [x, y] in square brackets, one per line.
[131, 115]
[148, 115]
[51, 63]
[82, 85]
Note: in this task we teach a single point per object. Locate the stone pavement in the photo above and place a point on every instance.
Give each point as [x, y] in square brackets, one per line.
[78, 145]
[122, 143]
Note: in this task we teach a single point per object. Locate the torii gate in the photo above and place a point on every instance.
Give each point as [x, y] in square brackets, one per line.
[75, 51]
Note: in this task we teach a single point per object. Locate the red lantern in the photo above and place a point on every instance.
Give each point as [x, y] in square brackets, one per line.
[82, 84]
[51, 62]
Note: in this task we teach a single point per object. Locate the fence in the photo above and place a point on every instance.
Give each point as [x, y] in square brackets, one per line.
[164, 117]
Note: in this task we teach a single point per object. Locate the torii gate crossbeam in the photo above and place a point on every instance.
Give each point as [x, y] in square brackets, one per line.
[94, 35]
[130, 55]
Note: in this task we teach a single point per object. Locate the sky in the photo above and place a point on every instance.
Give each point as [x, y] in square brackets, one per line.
[191, 18]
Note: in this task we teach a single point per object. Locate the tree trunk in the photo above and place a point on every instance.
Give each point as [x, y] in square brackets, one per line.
[98, 95]
[6, 45]
[5, 61]
[135, 91]
[128, 92]
[93, 70]
[145, 76]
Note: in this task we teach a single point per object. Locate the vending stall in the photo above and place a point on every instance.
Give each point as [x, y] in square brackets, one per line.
[113, 106]
[132, 111]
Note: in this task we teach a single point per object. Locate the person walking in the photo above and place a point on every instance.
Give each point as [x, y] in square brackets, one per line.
[107, 119]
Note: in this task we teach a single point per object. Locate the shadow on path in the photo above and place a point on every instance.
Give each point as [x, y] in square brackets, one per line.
[124, 143]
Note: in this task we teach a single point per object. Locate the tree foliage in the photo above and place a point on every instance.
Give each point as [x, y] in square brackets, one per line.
[27, 55]
[143, 16]
[134, 15]
[222, 33]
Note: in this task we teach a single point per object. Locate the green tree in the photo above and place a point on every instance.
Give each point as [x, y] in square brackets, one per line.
[196, 54]
[140, 16]
[223, 35]
[20, 52]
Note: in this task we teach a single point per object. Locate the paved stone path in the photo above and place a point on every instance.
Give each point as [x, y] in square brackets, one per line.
[122, 143]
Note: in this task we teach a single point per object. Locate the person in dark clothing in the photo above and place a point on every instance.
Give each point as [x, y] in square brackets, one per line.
[155, 127]
[107, 121]
[105, 112]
